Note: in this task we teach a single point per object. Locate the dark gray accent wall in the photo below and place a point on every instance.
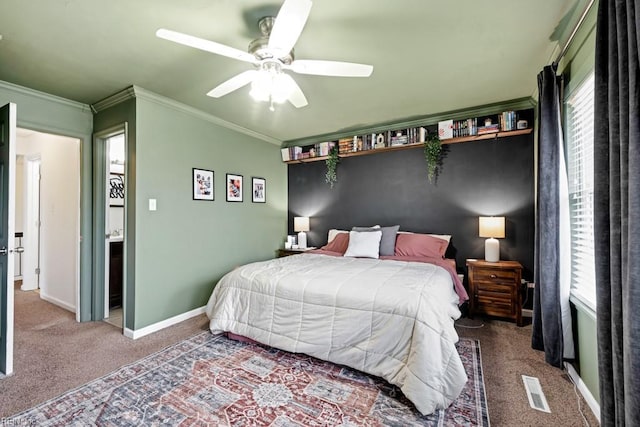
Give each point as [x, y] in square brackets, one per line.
[480, 178]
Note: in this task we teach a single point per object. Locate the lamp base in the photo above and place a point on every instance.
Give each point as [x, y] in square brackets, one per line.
[302, 240]
[492, 250]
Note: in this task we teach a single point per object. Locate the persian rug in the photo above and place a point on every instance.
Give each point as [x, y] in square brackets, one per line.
[210, 380]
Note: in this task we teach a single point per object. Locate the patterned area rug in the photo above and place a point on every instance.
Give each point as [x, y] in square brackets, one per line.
[210, 380]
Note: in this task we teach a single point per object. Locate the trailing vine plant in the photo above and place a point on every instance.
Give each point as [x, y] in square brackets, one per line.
[432, 154]
[332, 161]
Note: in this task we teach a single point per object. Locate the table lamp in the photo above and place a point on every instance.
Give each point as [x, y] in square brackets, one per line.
[493, 228]
[301, 225]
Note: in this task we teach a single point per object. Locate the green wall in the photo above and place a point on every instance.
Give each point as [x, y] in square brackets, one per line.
[184, 247]
[587, 346]
[51, 114]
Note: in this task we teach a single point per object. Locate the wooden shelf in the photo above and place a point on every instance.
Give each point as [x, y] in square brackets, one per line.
[419, 144]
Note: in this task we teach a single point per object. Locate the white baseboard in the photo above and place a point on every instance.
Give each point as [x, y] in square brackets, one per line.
[527, 313]
[139, 333]
[584, 391]
[56, 301]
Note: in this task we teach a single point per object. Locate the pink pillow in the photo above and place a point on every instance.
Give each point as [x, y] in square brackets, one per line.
[339, 244]
[421, 245]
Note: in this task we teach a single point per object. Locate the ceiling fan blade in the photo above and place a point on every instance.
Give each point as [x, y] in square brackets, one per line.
[232, 84]
[296, 97]
[289, 24]
[330, 68]
[206, 45]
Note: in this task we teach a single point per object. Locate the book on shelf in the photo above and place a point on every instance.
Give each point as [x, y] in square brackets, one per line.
[399, 140]
[492, 128]
[323, 148]
[464, 127]
[345, 145]
[445, 129]
[291, 153]
[507, 120]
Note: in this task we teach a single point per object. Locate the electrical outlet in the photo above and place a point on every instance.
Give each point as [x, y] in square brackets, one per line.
[531, 285]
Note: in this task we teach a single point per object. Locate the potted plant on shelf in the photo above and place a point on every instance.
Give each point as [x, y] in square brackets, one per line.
[432, 154]
[332, 161]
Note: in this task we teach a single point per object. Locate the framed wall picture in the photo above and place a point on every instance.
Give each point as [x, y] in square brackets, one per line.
[116, 189]
[234, 187]
[258, 190]
[203, 184]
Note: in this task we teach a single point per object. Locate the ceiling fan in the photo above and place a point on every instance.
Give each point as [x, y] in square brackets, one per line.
[271, 55]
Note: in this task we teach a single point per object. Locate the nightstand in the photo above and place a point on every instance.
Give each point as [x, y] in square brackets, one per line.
[287, 252]
[495, 288]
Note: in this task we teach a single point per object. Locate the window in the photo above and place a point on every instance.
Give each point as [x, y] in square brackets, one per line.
[579, 125]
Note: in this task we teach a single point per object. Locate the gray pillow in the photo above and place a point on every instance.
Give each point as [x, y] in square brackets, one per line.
[388, 240]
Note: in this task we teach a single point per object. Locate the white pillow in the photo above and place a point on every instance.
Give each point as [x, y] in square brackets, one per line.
[364, 244]
[333, 233]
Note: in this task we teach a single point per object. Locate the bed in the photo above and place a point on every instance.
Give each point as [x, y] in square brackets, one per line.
[390, 316]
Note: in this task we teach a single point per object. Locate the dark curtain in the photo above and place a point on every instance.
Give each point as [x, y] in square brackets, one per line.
[547, 316]
[617, 210]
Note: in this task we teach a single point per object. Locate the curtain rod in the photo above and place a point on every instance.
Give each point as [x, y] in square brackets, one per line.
[573, 33]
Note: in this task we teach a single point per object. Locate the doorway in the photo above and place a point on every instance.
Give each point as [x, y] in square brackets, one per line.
[47, 216]
[114, 229]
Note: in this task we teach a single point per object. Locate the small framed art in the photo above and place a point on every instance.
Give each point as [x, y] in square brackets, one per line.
[203, 184]
[234, 187]
[258, 190]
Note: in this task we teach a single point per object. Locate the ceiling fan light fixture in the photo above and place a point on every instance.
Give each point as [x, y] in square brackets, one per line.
[261, 87]
[280, 90]
[270, 85]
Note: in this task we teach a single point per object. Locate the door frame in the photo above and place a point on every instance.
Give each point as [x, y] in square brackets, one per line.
[100, 206]
[6, 284]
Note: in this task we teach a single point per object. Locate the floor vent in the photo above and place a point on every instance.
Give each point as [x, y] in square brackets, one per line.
[535, 394]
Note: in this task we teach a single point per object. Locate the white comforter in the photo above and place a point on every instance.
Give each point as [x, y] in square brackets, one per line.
[387, 318]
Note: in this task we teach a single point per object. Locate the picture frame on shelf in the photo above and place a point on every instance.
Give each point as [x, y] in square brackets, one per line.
[203, 184]
[258, 190]
[234, 187]
[116, 189]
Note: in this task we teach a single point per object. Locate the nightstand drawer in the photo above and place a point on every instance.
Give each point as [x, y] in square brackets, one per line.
[488, 299]
[495, 306]
[495, 275]
[497, 289]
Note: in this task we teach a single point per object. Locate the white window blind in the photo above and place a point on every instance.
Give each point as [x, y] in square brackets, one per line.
[579, 127]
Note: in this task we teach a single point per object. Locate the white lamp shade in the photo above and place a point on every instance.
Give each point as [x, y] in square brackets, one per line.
[301, 223]
[492, 226]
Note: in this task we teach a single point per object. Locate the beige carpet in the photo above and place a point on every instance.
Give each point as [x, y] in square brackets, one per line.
[53, 354]
[506, 356]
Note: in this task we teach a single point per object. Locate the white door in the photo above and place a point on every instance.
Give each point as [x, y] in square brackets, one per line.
[7, 212]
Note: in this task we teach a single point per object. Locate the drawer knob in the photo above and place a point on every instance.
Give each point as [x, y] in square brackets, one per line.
[493, 276]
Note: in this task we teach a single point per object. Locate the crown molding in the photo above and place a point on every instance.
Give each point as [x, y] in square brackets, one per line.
[138, 92]
[115, 99]
[45, 96]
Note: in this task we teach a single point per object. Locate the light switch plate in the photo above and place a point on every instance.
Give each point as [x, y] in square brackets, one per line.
[152, 205]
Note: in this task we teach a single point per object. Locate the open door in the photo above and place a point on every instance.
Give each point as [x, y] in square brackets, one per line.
[7, 212]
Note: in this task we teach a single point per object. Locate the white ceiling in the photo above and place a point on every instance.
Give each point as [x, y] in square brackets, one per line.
[429, 56]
